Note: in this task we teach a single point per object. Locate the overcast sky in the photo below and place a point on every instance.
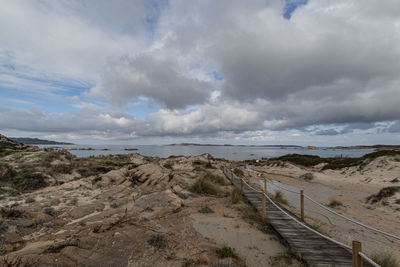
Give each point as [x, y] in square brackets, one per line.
[319, 72]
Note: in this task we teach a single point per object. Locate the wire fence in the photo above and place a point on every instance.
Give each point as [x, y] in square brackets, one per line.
[228, 172]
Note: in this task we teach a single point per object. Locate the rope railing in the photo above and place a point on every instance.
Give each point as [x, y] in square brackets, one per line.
[335, 213]
[359, 253]
[365, 257]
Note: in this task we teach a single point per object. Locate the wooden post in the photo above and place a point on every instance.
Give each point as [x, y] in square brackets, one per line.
[357, 260]
[264, 207]
[302, 204]
[265, 185]
[231, 177]
[241, 186]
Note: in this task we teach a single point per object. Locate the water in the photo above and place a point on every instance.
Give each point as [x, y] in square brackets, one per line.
[226, 152]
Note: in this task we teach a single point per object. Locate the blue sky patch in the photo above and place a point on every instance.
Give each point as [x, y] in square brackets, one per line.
[290, 7]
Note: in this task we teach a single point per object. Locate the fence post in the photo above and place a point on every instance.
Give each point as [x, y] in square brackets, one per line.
[302, 204]
[265, 185]
[241, 186]
[357, 260]
[231, 177]
[264, 208]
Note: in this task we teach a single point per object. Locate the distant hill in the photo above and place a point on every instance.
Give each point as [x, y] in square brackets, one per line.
[194, 144]
[8, 144]
[36, 141]
[378, 147]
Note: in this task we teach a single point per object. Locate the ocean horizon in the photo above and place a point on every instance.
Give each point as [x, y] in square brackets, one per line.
[230, 152]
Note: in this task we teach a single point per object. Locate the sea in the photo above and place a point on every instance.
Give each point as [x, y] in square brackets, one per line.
[227, 152]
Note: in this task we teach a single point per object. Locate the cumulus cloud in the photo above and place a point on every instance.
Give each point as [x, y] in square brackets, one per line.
[86, 122]
[156, 75]
[334, 65]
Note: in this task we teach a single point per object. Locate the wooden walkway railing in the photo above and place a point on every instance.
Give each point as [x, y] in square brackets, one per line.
[315, 248]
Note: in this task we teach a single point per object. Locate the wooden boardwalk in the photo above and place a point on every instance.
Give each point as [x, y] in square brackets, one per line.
[314, 249]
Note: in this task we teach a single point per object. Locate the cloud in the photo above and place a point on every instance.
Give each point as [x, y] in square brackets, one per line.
[86, 122]
[334, 66]
[156, 75]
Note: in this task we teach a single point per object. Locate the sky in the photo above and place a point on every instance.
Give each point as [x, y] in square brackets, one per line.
[316, 72]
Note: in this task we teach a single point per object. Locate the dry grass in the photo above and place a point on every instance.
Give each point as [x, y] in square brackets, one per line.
[335, 203]
[385, 259]
[280, 198]
[204, 186]
[235, 195]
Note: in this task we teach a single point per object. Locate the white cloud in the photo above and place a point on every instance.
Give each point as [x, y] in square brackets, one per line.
[333, 63]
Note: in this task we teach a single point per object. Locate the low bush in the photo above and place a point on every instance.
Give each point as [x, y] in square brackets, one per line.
[335, 203]
[226, 252]
[215, 178]
[158, 241]
[385, 259]
[27, 181]
[206, 209]
[6, 172]
[235, 195]
[168, 165]
[238, 172]
[250, 214]
[383, 193]
[205, 187]
[280, 198]
[50, 211]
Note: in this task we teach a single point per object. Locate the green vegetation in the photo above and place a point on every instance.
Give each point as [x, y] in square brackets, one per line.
[206, 209]
[333, 163]
[383, 193]
[385, 259]
[250, 214]
[168, 165]
[201, 163]
[158, 241]
[28, 181]
[215, 178]
[203, 186]
[238, 172]
[280, 198]
[335, 203]
[235, 195]
[226, 252]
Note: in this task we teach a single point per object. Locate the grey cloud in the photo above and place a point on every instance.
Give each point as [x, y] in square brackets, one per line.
[327, 132]
[84, 122]
[155, 75]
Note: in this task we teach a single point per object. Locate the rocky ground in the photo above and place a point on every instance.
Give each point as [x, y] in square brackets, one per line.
[131, 210]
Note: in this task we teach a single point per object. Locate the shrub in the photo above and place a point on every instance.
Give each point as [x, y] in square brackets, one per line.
[206, 209]
[226, 252]
[168, 165]
[385, 259]
[383, 193]
[304, 160]
[11, 213]
[50, 211]
[158, 241]
[201, 163]
[238, 172]
[335, 203]
[215, 178]
[307, 176]
[29, 200]
[26, 181]
[235, 195]
[205, 187]
[251, 214]
[6, 172]
[280, 198]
